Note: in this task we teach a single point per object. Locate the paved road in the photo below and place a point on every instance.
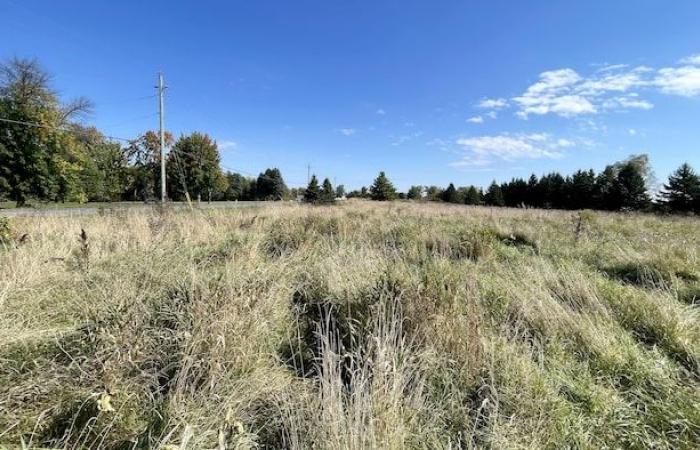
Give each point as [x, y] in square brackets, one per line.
[93, 210]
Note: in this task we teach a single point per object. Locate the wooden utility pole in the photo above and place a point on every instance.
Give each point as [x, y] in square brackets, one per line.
[161, 88]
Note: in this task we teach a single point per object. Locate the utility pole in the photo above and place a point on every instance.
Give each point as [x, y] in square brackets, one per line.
[161, 88]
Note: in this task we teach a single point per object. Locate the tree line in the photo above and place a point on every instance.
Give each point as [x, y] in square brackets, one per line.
[624, 185]
[46, 154]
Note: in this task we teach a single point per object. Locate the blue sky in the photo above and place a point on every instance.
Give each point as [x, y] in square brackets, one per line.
[432, 92]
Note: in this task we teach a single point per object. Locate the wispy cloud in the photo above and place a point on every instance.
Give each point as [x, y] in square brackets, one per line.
[227, 145]
[381, 112]
[493, 103]
[684, 81]
[437, 142]
[693, 60]
[405, 138]
[567, 93]
[347, 131]
[483, 151]
[476, 119]
[554, 93]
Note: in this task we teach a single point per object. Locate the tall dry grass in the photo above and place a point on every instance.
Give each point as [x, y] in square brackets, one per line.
[357, 326]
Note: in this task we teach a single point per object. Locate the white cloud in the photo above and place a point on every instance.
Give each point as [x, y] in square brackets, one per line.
[493, 103]
[609, 67]
[476, 119]
[631, 101]
[632, 132]
[566, 93]
[683, 81]
[564, 143]
[554, 81]
[381, 112]
[693, 60]
[227, 145]
[615, 82]
[347, 131]
[492, 114]
[555, 93]
[484, 150]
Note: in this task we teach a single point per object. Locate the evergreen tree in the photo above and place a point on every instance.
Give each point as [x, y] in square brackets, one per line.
[327, 192]
[557, 193]
[533, 194]
[382, 189]
[515, 193]
[340, 191]
[270, 185]
[605, 193]
[449, 195]
[582, 190]
[494, 195]
[313, 191]
[630, 187]
[414, 192]
[472, 197]
[682, 191]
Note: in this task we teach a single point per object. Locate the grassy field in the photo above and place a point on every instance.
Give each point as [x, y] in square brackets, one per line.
[357, 326]
[57, 205]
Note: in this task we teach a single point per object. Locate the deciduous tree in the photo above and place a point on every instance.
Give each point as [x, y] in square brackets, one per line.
[193, 167]
[39, 160]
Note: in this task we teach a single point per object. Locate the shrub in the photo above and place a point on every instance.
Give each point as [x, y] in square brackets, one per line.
[6, 233]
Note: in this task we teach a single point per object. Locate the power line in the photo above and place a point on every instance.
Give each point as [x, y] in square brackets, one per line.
[133, 119]
[230, 169]
[67, 130]
[131, 100]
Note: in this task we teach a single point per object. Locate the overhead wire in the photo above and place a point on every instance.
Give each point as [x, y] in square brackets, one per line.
[131, 100]
[130, 140]
[133, 119]
[64, 129]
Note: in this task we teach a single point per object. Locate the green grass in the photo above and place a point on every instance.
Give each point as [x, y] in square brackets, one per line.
[360, 325]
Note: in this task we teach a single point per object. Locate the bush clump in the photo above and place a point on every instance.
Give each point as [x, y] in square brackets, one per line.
[6, 232]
